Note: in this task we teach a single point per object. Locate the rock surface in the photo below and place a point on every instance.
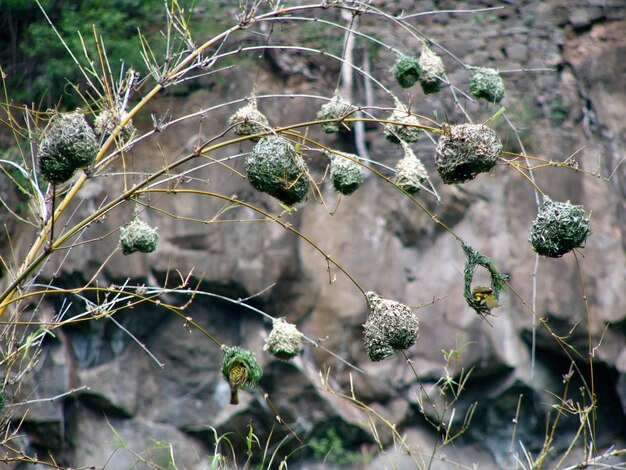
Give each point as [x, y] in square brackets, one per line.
[154, 377]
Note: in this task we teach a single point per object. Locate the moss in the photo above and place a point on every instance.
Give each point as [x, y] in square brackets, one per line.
[405, 130]
[237, 354]
[345, 174]
[486, 83]
[559, 228]
[67, 144]
[138, 236]
[274, 167]
[432, 70]
[284, 341]
[406, 70]
[337, 108]
[463, 151]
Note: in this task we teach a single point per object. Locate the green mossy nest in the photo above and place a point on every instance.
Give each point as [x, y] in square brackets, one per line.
[463, 151]
[410, 172]
[275, 167]
[405, 130]
[486, 83]
[390, 326]
[406, 70]
[67, 144]
[345, 174]
[138, 236]
[106, 122]
[559, 228]
[284, 341]
[432, 70]
[248, 120]
[237, 354]
[336, 108]
[498, 281]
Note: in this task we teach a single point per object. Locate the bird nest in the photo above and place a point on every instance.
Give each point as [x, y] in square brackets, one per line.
[67, 144]
[402, 129]
[284, 341]
[431, 71]
[337, 109]
[106, 122]
[498, 281]
[276, 168]
[406, 71]
[236, 355]
[138, 236]
[559, 228]
[410, 172]
[486, 83]
[463, 151]
[345, 173]
[248, 120]
[390, 327]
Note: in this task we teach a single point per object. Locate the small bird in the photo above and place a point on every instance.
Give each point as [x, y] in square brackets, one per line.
[485, 294]
[237, 377]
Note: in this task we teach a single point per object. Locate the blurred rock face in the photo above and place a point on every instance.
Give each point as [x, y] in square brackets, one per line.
[390, 246]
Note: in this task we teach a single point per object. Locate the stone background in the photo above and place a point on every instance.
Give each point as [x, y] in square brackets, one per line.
[384, 241]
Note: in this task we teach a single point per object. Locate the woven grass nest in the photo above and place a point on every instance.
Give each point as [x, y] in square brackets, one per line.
[106, 122]
[236, 355]
[486, 83]
[276, 168]
[248, 120]
[337, 108]
[410, 172]
[406, 70]
[559, 228]
[138, 236]
[390, 327]
[465, 150]
[431, 71]
[67, 144]
[405, 130]
[345, 173]
[284, 341]
[498, 281]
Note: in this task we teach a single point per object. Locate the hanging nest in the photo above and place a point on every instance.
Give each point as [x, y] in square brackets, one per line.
[336, 108]
[559, 228]
[390, 326]
[410, 172]
[489, 297]
[463, 151]
[106, 122]
[67, 144]
[405, 130]
[275, 167]
[432, 70]
[406, 71]
[284, 341]
[345, 174]
[486, 83]
[138, 236]
[241, 369]
[248, 120]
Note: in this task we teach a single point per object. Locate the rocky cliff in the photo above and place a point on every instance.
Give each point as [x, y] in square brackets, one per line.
[149, 372]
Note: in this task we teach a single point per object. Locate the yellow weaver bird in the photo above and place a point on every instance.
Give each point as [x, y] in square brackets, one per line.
[237, 376]
[485, 294]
